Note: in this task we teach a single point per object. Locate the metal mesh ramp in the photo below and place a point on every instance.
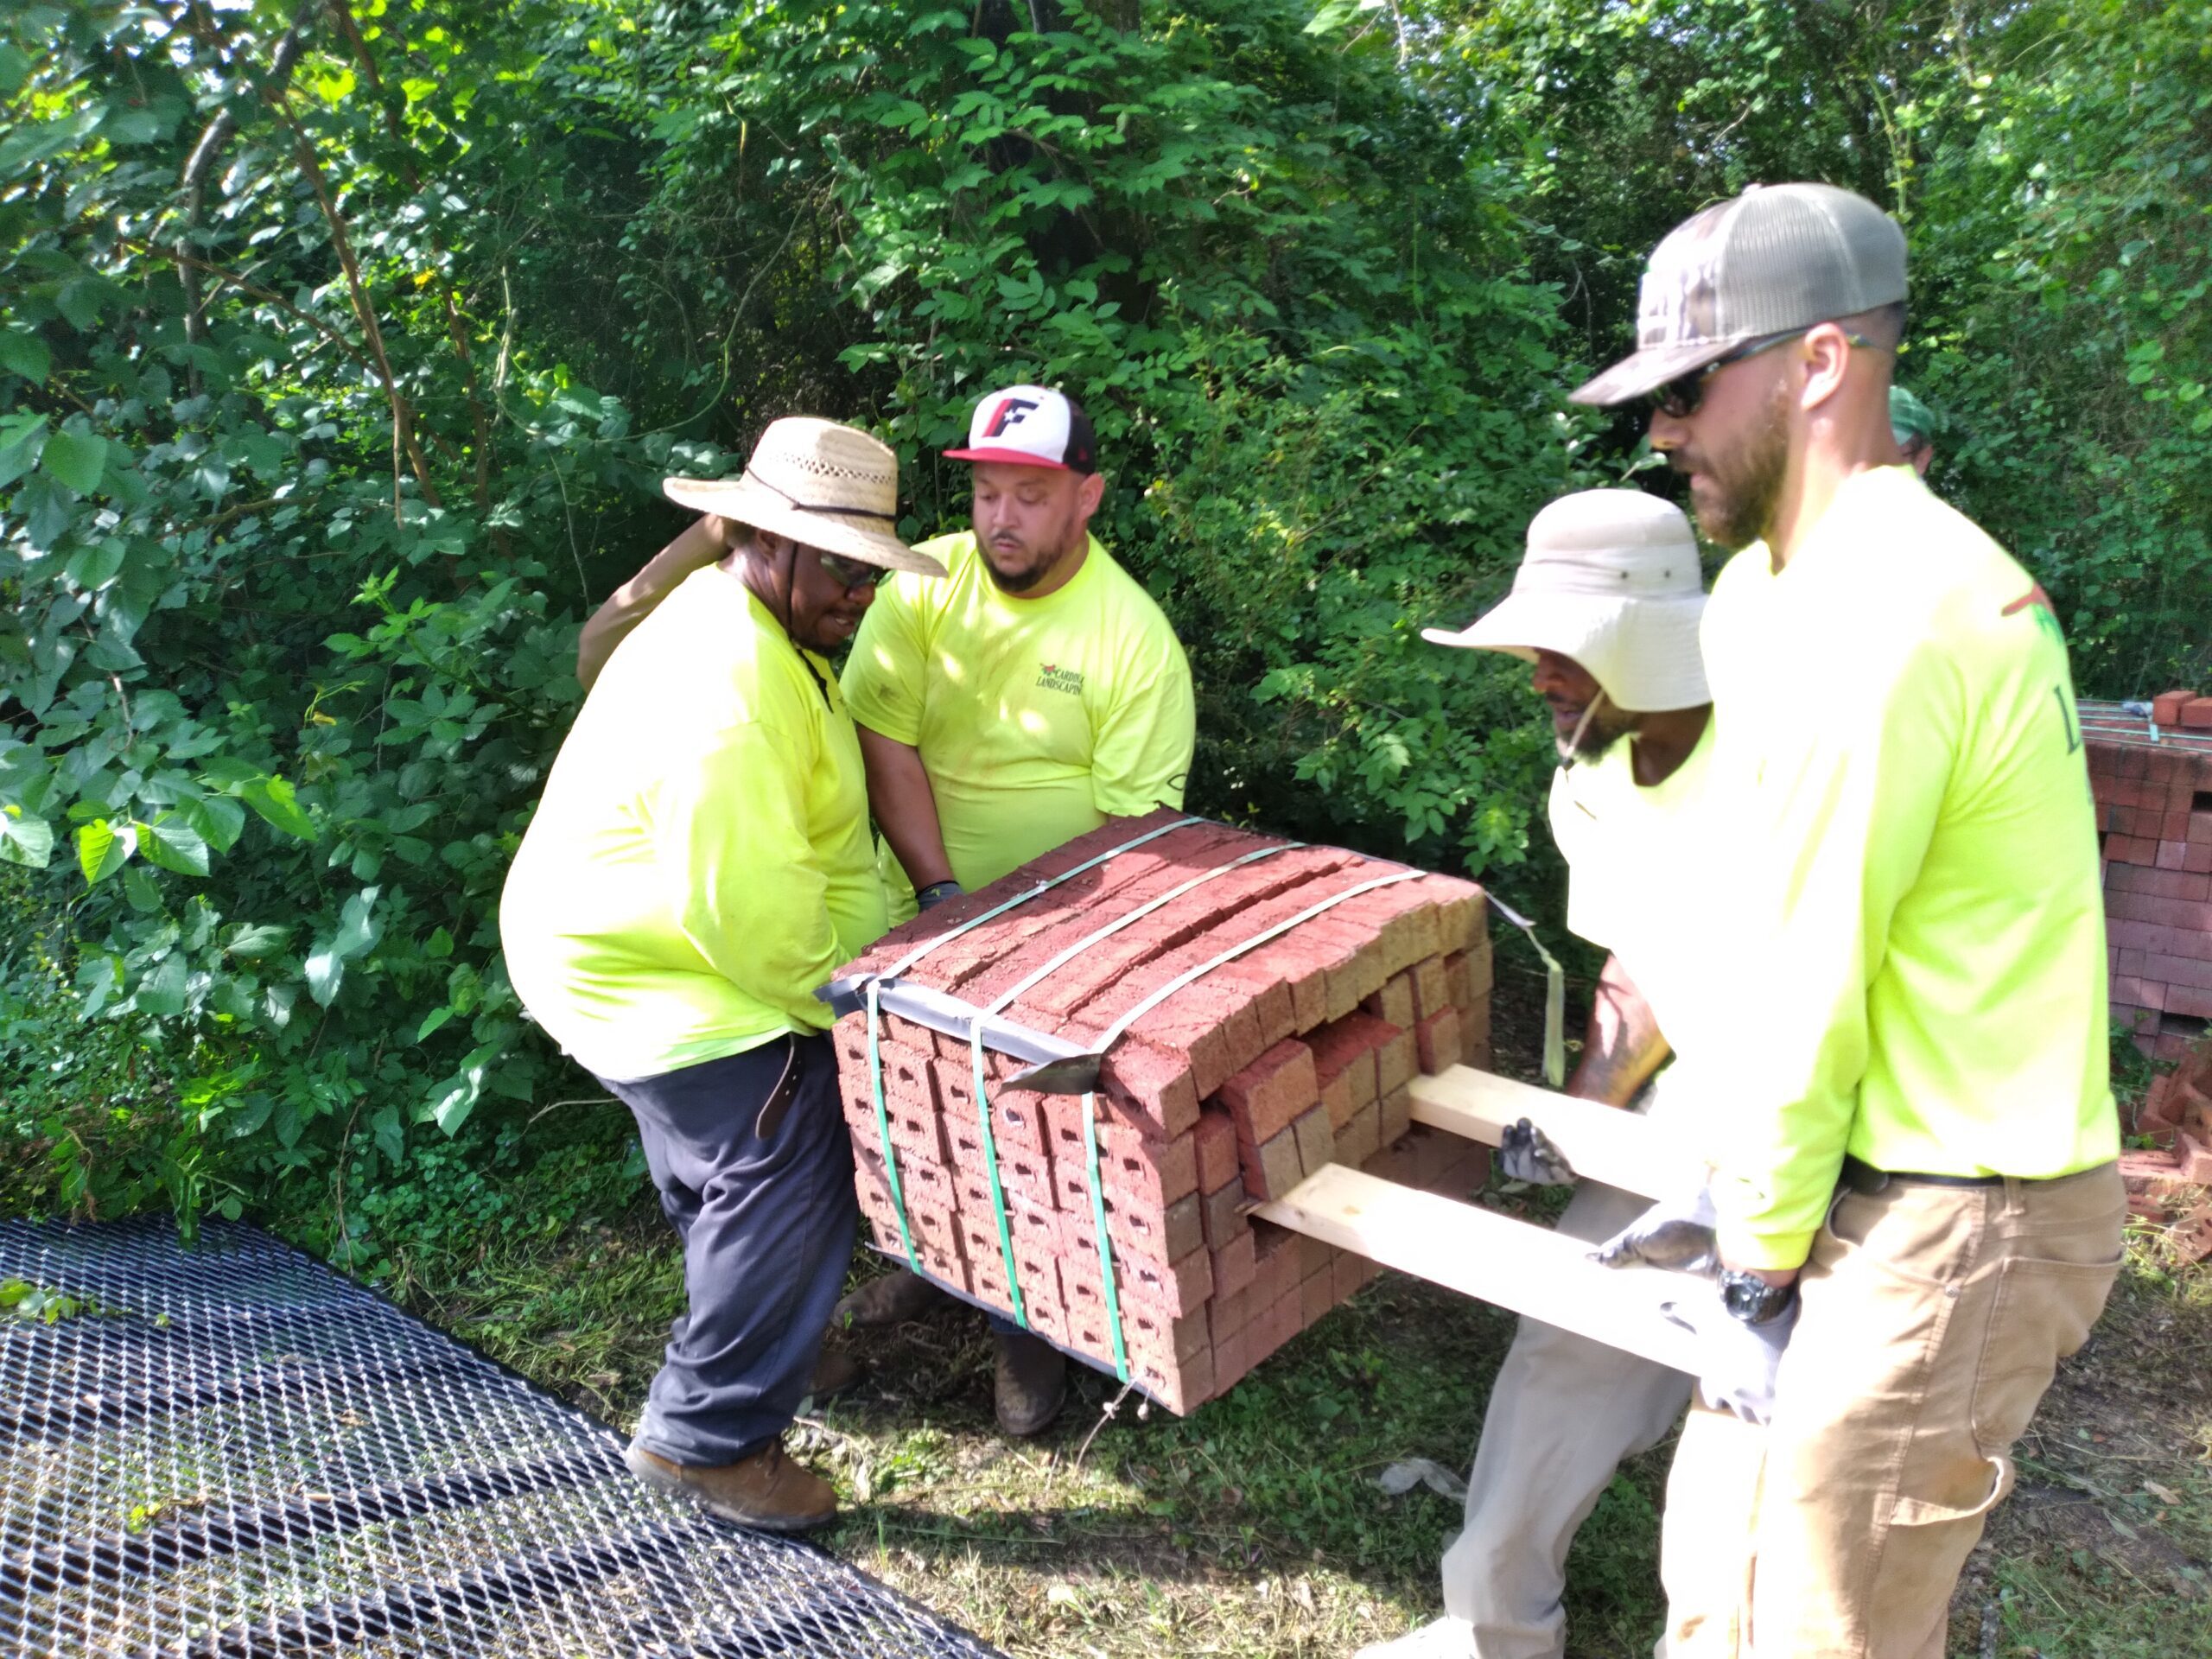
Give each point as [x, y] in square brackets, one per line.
[234, 1451]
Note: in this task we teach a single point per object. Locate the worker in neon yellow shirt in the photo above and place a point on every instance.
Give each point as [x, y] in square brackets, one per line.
[700, 862]
[1605, 607]
[1037, 694]
[1913, 1143]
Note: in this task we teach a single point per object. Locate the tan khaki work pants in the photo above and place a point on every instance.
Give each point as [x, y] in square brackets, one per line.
[1563, 1414]
[1933, 1319]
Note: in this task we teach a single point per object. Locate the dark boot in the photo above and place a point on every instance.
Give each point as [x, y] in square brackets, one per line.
[767, 1489]
[1031, 1384]
[834, 1373]
[897, 1297]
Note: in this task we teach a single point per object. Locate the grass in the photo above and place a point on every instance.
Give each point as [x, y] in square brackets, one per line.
[1256, 1527]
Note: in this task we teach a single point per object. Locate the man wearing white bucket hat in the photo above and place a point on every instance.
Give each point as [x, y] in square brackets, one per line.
[1605, 606]
[700, 862]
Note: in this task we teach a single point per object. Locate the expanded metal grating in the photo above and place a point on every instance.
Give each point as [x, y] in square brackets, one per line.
[232, 1451]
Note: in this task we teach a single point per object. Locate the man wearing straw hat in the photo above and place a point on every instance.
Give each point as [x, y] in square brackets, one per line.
[1911, 1127]
[1605, 607]
[700, 862]
[1034, 695]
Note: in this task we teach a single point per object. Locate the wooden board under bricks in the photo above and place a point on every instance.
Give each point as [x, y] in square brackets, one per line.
[1224, 1083]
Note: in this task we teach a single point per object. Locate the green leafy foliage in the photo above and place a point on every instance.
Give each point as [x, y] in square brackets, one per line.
[345, 344]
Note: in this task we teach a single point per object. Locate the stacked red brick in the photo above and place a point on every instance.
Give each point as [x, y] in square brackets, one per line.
[2153, 786]
[1228, 1092]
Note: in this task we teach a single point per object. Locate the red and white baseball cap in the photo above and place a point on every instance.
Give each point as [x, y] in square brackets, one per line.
[1031, 426]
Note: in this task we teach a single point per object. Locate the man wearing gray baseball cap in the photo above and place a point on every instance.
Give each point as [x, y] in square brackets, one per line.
[1604, 608]
[1909, 1121]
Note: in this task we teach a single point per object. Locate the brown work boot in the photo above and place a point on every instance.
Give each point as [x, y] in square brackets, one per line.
[767, 1490]
[898, 1296]
[1031, 1383]
[834, 1373]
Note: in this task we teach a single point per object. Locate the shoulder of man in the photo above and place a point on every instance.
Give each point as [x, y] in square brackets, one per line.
[1136, 612]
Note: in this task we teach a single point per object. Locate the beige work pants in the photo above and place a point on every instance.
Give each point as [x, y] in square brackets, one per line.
[1933, 1319]
[1563, 1414]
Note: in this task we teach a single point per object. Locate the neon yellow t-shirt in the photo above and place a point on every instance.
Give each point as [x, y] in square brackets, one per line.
[1037, 719]
[1640, 878]
[1918, 955]
[701, 860]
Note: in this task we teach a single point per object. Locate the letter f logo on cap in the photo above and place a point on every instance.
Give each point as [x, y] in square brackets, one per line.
[1030, 426]
[1009, 412]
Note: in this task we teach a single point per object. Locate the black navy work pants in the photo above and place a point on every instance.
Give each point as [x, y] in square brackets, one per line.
[767, 1224]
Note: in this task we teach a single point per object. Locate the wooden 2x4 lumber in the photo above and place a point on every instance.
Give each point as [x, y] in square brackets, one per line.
[1479, 1253]
[1621, 1148]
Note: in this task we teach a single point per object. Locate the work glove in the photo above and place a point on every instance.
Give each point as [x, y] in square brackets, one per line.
[937, 893]
[1676, 1233]
[1525, 1153]
[1736, 1362]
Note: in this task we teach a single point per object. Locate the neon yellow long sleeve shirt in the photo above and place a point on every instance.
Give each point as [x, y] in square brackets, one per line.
[701, 860]
[1916, 942]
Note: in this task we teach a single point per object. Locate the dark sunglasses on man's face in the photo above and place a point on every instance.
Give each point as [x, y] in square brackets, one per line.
[848, 573]
[1680, 398]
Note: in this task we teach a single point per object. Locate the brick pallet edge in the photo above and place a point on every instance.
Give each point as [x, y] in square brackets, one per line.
[2154, 825]
[1228, 1092]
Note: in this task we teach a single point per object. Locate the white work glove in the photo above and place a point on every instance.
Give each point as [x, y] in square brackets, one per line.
[1676, 1233]
[1736, 1362]
[1525, 1153]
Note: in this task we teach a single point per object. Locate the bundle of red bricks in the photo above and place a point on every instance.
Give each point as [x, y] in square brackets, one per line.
[1228, 1092]
[2153, 786]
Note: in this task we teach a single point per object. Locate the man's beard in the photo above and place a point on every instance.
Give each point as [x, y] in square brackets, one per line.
[1020, 581]
[1745, 486]
[1593, 737]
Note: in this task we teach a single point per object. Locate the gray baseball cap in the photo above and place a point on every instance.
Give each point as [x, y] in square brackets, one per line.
[1778, 258]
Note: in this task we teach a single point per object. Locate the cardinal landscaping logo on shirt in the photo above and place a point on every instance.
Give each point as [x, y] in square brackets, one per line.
[1056, 678]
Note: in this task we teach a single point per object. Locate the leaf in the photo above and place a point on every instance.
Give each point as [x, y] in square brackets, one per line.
[391, 1133]
[92, 567]
[278, 807]
[358, 930]
[451, 1105]
[261, 939]
[170, 843]
[25, 354]
[75, 459]
[102, 849]
[162, 992]
[218, 820]
[437, 1017]
[25, 841]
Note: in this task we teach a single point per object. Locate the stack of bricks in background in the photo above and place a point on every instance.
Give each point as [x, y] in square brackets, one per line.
[1228, 1092]
[2153, 785]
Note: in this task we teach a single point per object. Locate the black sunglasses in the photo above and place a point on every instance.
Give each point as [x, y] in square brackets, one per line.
[1680, 398]
[848, 573]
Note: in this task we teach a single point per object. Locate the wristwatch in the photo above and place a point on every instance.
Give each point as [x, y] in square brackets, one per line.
[1751, 1299]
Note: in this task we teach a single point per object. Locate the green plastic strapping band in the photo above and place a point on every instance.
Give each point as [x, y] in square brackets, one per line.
[875, 1060]
[1090, 1102]
[883, 1129]
[1105, 1244]
[1554, 993]
[991, 1164]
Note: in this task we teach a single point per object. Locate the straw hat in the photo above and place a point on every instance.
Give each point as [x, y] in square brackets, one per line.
[1610, 582]
[826, 487]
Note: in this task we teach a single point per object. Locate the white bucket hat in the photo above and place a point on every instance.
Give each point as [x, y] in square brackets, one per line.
[826, 487]
[1610, 580]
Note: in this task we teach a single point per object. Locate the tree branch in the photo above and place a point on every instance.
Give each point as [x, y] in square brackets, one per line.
[214, 140]
[402, 417]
